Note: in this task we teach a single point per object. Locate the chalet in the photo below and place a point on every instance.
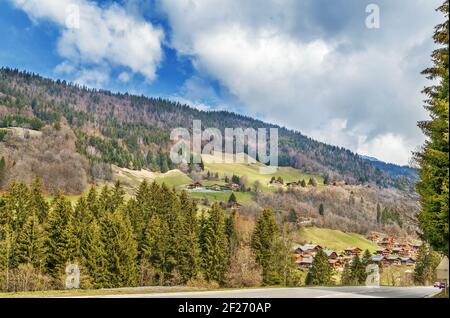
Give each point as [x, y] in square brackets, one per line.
[234, 186]
[374, 237]
[195, 185]
[307, 249]
[407, 261]
[352, 251]
[330, 254]
[393, 260]
[334, 263]
[216, 187]
[304, 261]
[234, 206]
[274, 183]
[415, 247]
[378, 259]
[292, 184]
[383, 251]
[397, 250]
[387, 241]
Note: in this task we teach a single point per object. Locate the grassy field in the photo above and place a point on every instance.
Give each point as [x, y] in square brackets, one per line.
[334, 239]
[252, 171]
[242, 197]
[132, 178]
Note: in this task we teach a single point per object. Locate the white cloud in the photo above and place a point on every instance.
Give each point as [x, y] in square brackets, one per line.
[105, 34]
[390, 147]
[124, 77]
[94, 77]
[312, 65]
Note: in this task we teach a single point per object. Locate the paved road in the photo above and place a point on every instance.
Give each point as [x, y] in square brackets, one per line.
[314, 292]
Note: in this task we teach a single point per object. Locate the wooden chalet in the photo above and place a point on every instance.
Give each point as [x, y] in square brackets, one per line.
[352, 251]
[408, 261]
[378, 259]
[292, 184]
[195, 185]
[383, 251]
[393, 260]
[304, 261]
[235, 206]
[234, 186]
[274, 183]
[387, 241]
[330, 254]
[307, 249]
[374, 237]
[334, 263]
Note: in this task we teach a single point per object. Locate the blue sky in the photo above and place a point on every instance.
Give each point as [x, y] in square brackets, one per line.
[310, 65]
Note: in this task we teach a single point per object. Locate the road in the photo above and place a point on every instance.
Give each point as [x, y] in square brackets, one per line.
[309, 292]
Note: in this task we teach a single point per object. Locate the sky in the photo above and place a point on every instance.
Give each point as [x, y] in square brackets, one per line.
[309, 65]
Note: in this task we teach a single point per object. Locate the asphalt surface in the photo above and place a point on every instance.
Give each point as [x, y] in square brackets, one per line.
[314, 292]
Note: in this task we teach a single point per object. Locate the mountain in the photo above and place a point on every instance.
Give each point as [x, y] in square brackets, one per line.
[134, 132]
[393, 169]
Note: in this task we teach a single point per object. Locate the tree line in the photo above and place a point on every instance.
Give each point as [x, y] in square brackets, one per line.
[156, 237]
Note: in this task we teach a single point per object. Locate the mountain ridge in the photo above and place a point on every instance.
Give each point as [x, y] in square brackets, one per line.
[133, 131]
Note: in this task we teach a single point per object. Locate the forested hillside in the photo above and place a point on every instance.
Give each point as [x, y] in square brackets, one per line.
[133, 131]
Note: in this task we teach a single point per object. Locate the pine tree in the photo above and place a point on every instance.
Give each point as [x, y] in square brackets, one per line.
[321, 209]
[358, 271]
[16, 209]
[292, 217]
[37, 200]
[303, 183]
[378, 213]
[346, 275]
[92, 202]
[2, 169]
[366, 257]
[427, 261]
[93, 254]
[433, 158]
[263, 244]
[188, 260]
[156, 246]
[30, 243]
[231, 231]
[59, 239]
[320, 273]
[121, 249]
[215, 249]
[312, 182]
[7, 249]
[232, 199]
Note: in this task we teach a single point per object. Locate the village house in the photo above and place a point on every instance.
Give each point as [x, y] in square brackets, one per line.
[374, 237]
[387, 241]
[234, 186]
[407, 261]
[393, 260]
[216, 187]
[378, 259]
[383, 251]
[195, 185]
[292, 184]
[304, 261]
[274, 183]
[234, 206]
[307, 249]
[352, 251]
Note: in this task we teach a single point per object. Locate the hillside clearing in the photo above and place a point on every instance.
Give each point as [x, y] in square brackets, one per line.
[334, 239]
[251, 170]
